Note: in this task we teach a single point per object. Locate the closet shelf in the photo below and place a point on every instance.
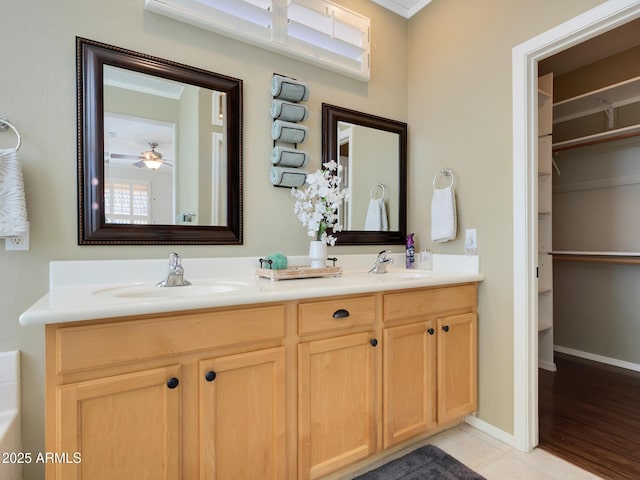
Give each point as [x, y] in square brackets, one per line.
[617, 134]
[615, 95]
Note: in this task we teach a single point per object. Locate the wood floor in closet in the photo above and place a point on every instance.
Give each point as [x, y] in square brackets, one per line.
[589, 415]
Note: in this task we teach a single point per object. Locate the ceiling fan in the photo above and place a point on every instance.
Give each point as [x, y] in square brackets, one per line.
[150, 159]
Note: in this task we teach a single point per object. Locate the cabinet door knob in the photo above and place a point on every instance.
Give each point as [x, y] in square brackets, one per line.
[431, 331]
[373, 342]
[445, 328]
[342, 313]
[210, 376]
[172, 383]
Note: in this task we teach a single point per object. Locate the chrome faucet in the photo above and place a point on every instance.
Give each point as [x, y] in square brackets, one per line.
[382, 262]
[175, 277]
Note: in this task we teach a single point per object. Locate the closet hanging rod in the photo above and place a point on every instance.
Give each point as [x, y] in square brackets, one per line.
[6, 124]
[622, 258]
[609, 136]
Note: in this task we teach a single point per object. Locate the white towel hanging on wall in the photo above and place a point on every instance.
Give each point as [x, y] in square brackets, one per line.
[13, 207]
[444, 221]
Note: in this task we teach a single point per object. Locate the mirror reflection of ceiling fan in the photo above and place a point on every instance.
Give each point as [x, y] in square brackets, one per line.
[150, 159]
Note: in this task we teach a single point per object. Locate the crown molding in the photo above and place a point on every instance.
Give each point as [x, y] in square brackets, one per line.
[407, 9]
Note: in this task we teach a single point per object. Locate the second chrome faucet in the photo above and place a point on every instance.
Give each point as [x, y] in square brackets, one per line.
[175, 277]
[382, 262]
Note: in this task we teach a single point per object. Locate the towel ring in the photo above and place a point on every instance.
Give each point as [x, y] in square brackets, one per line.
[379, 186]
[447, 172]
[4, 124]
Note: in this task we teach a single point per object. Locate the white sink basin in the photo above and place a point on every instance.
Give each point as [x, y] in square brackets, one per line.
[189, 291]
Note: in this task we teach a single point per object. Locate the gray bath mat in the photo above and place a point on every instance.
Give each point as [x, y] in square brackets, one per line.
[425, 463]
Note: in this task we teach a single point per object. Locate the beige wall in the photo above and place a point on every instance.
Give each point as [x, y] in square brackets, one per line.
[458, 106]
[460, 116]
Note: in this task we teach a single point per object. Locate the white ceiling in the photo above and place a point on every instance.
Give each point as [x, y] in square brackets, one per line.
[405, 8]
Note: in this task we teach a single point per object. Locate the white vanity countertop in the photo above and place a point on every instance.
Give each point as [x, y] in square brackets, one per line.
[87, 290]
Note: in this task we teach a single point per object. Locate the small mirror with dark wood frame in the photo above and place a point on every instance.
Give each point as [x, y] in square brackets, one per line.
[159, 150]
[372, 152]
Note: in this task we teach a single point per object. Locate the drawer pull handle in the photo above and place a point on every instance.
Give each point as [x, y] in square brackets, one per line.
[431, 331]
[373, 342]
[172, 383]
[210, 376]
[342, 313]
[445, 328]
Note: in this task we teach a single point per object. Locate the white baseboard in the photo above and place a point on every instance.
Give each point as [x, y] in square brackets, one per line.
[551, 366]
[598, 358]
[489, 429]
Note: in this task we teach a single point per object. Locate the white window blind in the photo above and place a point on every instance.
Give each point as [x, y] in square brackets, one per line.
[127, 202]
[316, 31]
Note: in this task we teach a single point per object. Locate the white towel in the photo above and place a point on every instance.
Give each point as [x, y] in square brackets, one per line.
[13, 208]
[444, 224]
[376, 216]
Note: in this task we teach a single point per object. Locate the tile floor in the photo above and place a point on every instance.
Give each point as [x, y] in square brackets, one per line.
[498, 461]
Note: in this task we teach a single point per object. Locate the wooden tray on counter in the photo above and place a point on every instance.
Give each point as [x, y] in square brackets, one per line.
[293, 272]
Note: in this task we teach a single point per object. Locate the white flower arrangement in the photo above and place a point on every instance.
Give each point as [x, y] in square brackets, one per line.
[317, 203]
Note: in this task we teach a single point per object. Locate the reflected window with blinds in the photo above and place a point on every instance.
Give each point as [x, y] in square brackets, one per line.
[127, 202]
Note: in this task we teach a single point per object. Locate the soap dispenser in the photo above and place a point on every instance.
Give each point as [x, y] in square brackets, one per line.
[425, 259]
[411, 251]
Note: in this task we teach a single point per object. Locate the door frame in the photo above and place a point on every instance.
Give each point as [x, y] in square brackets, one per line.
[525, 58]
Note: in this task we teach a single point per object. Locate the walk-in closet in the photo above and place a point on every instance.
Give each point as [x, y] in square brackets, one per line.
[589, 253]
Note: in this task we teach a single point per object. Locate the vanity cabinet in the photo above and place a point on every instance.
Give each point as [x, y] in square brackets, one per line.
[306, 389]
[196, 395]
[336, 384]
[429, 361]
[242, 416]
[125, 426]
[409, 377]
[336, 406]
[457, 366]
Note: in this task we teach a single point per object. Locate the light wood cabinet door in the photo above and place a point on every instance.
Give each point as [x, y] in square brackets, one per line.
[242, 416]
[125, 426]
[409, 379]
[336, 403]
[457, 366]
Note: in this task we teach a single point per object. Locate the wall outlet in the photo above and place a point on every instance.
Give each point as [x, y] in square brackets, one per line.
[471, 241]
[18, 243]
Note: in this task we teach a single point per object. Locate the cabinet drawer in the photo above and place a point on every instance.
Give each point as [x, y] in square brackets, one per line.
[334, 314]
[91, 346]
[418, 303]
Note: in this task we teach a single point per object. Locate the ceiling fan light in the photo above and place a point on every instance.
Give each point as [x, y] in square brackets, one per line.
[152, 159]
[152, 163]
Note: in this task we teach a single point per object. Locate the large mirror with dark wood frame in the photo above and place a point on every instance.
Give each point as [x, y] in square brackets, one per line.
[159, 150]
[372, 151]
